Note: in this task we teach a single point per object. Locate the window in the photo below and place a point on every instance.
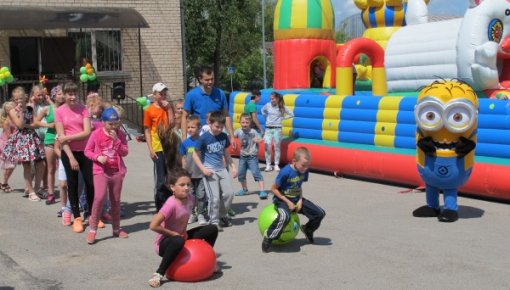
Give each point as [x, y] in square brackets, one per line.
[103, 47]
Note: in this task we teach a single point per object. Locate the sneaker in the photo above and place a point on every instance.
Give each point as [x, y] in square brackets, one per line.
[91, 237]
[263, 195]
[220, 228]
[308, 233]
[78, 225]
[276, 168]
[192, 219]
[51, 199]
[120, 234]
[266, 245]
[231, 212]
[241, 192]
[42, 193]
[155, 280]
[66, 218]
[100, 224]
[59, 212]
[225, 222]
[201, 220]
[268, 168]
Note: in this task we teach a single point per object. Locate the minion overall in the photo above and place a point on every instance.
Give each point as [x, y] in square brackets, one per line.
[446, 115]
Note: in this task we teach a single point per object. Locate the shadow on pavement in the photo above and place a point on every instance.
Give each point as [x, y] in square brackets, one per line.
[137, 208]
[469, 212]
[244, 207]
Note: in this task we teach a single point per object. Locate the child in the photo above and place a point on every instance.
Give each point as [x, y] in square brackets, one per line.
[251, 109]
[24, 145]
[72, 122]
[8, 128]
[170, 224]
[159, 114]
[46, 119]
[178, 116]
[274, 112]
[288, 197]
[249, 139]
[106, 147]
[186, 151]
[212, 148]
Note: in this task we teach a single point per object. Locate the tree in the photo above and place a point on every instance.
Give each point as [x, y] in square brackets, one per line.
[223, 33]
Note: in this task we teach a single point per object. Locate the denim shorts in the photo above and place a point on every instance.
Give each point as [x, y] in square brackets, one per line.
[249, 163]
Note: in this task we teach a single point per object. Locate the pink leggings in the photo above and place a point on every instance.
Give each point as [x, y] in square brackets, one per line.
[112, 183]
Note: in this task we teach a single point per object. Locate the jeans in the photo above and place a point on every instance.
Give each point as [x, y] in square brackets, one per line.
[275, 135]
[72, 181]
[249, 163]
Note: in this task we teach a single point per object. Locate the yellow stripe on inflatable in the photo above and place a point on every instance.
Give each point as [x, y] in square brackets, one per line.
[298, 15]
[344, 81]
[290, 101]
[331, 117]
[398, 16]
[276, 21]
[379, 17]
[239, 103]
[327, 12]
[386, 121]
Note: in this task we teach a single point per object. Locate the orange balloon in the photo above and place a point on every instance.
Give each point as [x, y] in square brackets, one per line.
[88, 65]
[90, 71]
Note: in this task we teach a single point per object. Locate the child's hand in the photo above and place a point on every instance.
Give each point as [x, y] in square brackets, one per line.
[299, 205]
[208, 172]
[102, 159]
[112, 134]
[233, 172]
[257, 140]
[291, 206]
[74, 164]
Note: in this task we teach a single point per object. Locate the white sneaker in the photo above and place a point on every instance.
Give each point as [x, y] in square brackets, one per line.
[268, 168]
[192, 219]
[201, 220]
[276, 168]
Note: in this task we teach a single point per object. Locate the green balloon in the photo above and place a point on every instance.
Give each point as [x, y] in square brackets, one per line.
[145, 107]
[2, 82]
[266, 218]
[9, 79]
[92, 77]
[4, 69]
[84, 78]
[83, 70]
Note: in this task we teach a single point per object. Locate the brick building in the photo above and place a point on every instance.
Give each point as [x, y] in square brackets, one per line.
[119, 36]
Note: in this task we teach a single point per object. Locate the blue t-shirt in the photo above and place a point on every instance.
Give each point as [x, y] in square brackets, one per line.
[187, 149]
[197, 102]
[289, 182]
[212, 149]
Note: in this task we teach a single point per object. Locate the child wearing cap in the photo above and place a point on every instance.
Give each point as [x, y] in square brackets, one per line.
[156, 118]
[106, 147]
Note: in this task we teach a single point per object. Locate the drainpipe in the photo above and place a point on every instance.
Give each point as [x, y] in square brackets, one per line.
[183, 41]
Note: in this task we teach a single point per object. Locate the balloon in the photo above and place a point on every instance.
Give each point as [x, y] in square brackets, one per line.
[2, 75]
[9, 79]
[84, 78]
[88, 65]
[4, 69]
[7, 74]
[145, 107]
[92, 77]
[83, 70]
[90, 71]
[2, 82]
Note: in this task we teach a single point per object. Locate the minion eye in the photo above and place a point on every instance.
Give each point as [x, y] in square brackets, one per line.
[428, 114]
[460, 116]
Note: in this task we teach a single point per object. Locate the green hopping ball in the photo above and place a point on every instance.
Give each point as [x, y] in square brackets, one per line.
[266, 218]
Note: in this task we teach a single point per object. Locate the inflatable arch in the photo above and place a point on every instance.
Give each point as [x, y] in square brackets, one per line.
[345, 59]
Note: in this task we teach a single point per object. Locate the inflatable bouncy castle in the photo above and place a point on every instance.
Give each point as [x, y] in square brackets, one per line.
[372, 134]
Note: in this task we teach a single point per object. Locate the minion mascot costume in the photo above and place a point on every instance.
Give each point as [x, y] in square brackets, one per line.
[446, 115]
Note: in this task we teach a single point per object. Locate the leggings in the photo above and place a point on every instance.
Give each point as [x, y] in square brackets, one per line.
[72, 181]
[170, 247]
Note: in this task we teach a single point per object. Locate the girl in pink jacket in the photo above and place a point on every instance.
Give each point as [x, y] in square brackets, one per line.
[106, 147]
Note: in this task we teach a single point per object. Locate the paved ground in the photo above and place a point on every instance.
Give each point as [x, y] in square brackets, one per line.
[369, 240]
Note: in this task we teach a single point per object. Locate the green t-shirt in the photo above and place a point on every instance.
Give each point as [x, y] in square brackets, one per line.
[251, 107]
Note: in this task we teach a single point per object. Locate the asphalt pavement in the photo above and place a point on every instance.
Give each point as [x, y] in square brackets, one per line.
[368, 240]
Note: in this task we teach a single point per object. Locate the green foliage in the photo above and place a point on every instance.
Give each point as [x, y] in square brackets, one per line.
[340, 35]
[223, 33]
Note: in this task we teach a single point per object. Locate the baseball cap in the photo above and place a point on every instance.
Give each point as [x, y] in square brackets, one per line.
[110, 115]
[159, 87]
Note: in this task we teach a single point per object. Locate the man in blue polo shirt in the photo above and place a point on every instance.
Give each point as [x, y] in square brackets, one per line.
[205, 99]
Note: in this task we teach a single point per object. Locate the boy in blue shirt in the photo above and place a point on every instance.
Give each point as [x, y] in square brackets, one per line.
[186, 151]
[211, 153]
[288, 197]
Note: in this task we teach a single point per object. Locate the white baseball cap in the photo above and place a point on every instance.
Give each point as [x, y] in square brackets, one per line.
[159, 87]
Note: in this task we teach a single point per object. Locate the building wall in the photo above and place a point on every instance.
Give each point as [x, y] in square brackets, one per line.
[161, 44]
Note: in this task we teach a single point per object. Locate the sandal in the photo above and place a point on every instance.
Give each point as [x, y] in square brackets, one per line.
[5, 187]
[33, 197]
[155, 281]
